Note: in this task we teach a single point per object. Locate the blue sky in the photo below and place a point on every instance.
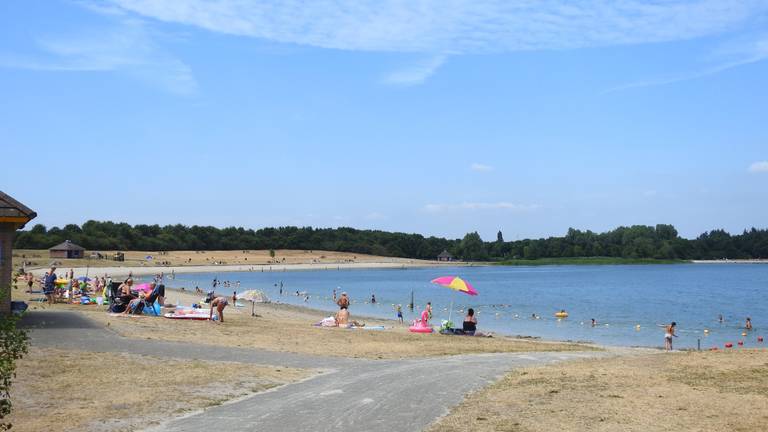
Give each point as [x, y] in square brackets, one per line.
[437, 117]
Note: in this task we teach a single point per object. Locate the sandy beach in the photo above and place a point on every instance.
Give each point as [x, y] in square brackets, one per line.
[681, 391]
[137, 262]
[280, 327]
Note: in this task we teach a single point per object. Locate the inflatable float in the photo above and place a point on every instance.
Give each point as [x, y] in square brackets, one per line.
[421, 326]
[561, 314]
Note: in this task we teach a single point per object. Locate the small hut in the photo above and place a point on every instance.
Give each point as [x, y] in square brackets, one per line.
[67, 250]
[13, 216]
[445, 256]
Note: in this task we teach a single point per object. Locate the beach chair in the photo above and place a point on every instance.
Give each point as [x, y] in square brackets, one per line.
[149, 301]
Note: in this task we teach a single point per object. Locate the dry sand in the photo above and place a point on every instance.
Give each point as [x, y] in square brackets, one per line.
[685, 391]
[58, 390]
[206, 261]
[280, 327]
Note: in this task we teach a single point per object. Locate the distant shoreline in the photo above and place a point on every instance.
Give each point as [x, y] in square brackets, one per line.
[731, 261]
[257, 268]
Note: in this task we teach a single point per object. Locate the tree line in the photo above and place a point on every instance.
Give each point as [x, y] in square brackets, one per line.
[638, 241]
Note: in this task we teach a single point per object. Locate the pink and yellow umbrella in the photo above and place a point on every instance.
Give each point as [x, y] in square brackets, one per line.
[456, 283]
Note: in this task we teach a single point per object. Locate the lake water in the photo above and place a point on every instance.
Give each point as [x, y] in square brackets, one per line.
[618, 297]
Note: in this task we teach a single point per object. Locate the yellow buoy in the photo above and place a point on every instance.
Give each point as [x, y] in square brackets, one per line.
[637, 327]
[706, 331]
[743, 333]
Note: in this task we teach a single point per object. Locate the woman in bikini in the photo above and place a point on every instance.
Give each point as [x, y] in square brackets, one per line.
[669, 333]
[219, 303]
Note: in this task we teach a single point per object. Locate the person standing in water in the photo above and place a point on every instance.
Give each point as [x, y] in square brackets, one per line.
[669, 333]
[400, 313]
[748, 324]
[373, 298]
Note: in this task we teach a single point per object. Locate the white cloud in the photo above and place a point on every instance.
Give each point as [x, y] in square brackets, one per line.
[475, 206]
[458, 26]
[650, 193]
[128, 47]
[759, 167]
[480, 167]
[417, 73]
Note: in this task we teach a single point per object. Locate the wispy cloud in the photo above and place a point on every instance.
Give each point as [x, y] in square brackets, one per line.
[127, 47]
[459, 26]
[759, 167]
[480, 167]
[749, 52]
[417, 73]
[475, 206]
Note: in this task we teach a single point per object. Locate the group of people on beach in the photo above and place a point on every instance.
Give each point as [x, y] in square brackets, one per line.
[55, 291]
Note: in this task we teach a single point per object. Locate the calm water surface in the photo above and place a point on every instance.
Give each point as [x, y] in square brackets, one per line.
[618, 297]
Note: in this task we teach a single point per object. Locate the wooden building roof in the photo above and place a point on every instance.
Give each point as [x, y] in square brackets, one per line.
[67, 245]
[12, 211]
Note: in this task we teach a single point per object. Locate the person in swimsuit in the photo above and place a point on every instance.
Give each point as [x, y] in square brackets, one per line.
[400, 313]
[748, 324]
[668, 335]
[429, 310]
[469, 326]
[125, 291]
[342, 317]
[219, 303]
[49, 285]
[343, 301]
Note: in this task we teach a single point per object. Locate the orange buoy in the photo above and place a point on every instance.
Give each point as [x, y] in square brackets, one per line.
[741, 343]
[759, 338]
[728, 345]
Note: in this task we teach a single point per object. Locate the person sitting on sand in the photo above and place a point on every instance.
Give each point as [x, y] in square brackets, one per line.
[343, 301]
[469, 326]
[219, 303]
[748, 324]
[342, 317]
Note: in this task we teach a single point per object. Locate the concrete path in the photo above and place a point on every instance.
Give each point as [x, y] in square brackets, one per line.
[352, 394]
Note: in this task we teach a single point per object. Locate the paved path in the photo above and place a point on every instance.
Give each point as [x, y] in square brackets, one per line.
[352, 394]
